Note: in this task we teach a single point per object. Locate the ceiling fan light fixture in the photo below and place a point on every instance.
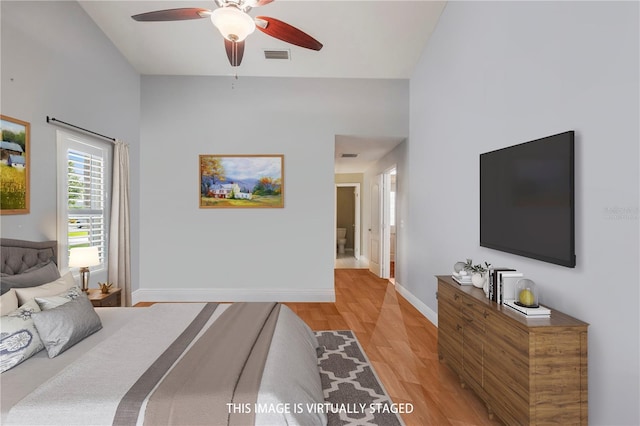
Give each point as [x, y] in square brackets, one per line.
[233, 24]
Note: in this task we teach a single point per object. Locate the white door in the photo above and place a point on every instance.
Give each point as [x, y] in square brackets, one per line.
[375, 232]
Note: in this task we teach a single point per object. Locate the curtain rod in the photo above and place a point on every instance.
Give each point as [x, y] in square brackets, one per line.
[55, 121]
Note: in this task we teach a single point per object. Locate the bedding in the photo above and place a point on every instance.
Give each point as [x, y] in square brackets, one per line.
[59, 299]
[53, 288]
[63, 326]
[20, 338]
[39, 274]
[105, 377]
[8, 302]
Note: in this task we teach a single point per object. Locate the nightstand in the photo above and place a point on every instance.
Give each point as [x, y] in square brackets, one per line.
[99, 299]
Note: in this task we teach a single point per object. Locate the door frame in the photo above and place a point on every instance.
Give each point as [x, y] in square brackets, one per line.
[356, 221]
[393, 170]
[376, 228]
[383, 268]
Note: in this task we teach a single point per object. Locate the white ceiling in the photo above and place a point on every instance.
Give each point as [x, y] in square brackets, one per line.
[361, 38]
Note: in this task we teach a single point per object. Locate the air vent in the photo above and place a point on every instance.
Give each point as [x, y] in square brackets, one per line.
[276, 54]
[349, 155]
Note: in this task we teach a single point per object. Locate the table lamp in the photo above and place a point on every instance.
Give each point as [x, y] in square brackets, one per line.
[84, 257]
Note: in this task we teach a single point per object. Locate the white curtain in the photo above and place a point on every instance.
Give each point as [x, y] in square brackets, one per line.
[119, 238]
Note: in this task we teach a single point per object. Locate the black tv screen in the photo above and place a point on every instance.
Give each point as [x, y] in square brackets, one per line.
[527, 199]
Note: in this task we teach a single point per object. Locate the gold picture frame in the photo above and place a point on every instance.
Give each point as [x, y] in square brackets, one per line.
[14, 166]
[241, 181]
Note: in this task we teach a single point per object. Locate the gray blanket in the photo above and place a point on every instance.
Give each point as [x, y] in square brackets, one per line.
[90, 390]
[224, 367]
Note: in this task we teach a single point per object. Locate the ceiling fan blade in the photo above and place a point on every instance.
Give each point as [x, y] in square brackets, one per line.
[235, 50]
[262, 2]
[180, 14]
[285, 32]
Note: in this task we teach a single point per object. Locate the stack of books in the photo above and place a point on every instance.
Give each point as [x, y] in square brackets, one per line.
[462, 279]
[539, 312]
[502, 283]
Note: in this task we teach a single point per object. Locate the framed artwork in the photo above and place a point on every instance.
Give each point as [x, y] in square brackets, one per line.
[241, 181]
[14, 166]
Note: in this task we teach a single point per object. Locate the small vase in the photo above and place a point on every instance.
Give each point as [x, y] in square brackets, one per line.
[477, 279]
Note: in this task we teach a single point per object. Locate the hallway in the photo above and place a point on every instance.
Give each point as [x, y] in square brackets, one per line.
[347, 261]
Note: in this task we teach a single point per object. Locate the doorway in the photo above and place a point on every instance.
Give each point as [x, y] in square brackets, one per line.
[347, 218]
[382, 234]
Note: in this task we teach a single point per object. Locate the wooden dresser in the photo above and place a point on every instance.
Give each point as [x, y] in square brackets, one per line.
[527, 371]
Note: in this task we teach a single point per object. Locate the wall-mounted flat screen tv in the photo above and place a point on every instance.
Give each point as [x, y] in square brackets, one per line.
[527, 199]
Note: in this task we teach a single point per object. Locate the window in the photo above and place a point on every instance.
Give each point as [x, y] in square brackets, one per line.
[82, 195]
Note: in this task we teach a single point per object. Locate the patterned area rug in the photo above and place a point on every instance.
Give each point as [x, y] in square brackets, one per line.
[351, 387]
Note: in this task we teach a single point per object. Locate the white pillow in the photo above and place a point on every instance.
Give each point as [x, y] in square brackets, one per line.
[63, 283]
[47, 303]
[19, 339]
[8, 302]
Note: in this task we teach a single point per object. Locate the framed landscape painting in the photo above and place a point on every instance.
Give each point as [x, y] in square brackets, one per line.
[14, 166]
[241, 181]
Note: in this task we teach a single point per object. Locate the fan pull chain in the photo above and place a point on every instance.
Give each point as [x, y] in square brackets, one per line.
[233, 83]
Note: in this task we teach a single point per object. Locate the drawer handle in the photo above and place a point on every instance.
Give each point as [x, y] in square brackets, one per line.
[456, 297]
[485, 314]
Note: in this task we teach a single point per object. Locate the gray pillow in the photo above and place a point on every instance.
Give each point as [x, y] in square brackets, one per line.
[35, 276]
[62, 327]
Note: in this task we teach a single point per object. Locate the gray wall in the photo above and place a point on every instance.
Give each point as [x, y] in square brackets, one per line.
[57, 62]
[499, 73]
[250, 253]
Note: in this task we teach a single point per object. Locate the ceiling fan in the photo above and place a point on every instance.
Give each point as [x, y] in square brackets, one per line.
[234, 23]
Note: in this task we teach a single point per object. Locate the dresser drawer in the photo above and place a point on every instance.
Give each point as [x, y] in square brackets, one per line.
[473, 313]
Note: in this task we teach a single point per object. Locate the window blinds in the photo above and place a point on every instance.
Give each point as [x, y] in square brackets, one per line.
[86, 200]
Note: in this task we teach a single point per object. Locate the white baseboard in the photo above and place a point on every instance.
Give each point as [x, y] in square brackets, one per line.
[231, 295]
[418, 304]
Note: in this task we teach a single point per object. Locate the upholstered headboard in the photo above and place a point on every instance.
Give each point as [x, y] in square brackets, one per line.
[18, 256]
[27, 263]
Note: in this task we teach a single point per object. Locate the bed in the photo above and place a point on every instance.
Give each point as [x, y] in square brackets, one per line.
[171, 363]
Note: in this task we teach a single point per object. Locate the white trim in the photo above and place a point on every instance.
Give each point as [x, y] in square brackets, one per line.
[66, 141]
[376, 227]
[418, 304]
[231, 295]
[385, 259]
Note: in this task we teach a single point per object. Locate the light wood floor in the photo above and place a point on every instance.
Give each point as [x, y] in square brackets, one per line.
[348, 261]
[402, 346]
